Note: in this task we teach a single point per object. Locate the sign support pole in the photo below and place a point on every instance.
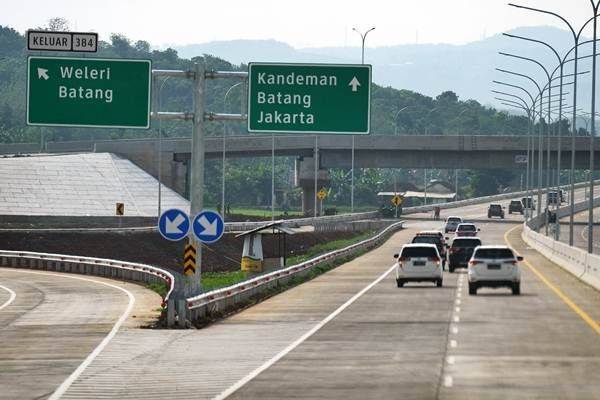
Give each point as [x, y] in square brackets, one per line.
[193, 283]
[316, 171]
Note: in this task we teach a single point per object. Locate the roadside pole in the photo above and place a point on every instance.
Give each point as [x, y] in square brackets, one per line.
[193, 283]
[316, 172]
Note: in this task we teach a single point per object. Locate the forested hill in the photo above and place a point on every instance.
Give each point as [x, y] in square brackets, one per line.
[445, 114]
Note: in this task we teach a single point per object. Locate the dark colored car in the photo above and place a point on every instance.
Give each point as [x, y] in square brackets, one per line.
[460, 252]
[528, 203]
[495, 210]
[515, 206]
[433, 238]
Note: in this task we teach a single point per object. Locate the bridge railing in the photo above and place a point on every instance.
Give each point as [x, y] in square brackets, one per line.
[219, 300]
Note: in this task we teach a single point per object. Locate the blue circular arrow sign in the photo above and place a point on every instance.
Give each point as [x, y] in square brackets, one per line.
[174, 224]
[208, 226]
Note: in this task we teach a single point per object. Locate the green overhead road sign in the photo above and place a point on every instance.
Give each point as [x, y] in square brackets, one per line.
[309, 98]
[88, 92]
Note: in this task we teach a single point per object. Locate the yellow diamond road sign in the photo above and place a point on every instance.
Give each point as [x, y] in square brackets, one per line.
[396, 200]
[322, 194]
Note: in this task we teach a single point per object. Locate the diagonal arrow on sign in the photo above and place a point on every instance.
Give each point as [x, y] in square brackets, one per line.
[172, 226]
[210, 228]
[43, 73]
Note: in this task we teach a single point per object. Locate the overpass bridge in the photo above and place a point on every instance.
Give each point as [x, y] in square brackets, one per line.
[334, 151]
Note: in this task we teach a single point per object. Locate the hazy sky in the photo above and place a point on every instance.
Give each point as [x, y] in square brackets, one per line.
[301, 23]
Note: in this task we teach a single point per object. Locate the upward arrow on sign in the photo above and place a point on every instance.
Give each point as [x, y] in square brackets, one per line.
[355, 84]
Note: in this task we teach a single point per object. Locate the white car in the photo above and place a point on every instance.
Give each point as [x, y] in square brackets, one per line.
[452, 223]
[419, 262]
[494, 266]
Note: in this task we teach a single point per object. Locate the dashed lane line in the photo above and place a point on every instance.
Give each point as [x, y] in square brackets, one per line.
[12, 297]
[574, 307]
[239, 384]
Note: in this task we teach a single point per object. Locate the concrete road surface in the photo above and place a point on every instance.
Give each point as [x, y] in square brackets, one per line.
[352, 334]
[50, 323]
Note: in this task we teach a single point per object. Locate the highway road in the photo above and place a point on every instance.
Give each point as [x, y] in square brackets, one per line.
[51, 322]
[352, 334]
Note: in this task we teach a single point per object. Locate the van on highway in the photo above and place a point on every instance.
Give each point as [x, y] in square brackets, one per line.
[419, 263]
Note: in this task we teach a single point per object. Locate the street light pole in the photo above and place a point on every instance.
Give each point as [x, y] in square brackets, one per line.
[576, 37]
[540, 151]
[223, 209]
[363, 37]
[592, 134]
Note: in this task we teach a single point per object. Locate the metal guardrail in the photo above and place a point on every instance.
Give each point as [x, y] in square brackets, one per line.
[220, 299]
[480, 200]
[297, 222]
[89, 266]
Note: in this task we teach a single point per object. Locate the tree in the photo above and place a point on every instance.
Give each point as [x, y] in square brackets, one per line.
[447, 97]
[142, 46]
[56, 24]
[121, 44]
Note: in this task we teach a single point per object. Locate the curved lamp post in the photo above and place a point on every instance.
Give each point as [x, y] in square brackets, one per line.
[363, 36]
[576, 38]
[224, 139]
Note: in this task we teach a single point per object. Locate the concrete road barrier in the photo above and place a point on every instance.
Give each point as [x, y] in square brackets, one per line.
[578, 262]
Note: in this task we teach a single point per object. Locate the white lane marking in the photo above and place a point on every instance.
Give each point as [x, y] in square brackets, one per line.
[12, 297]
[239, 384]
[453, 344]
[451, 360]
[448, 382]
[69, 381]
[455, 330]
[457, 309]
[456, 318]
[458, 301]
[458, 295]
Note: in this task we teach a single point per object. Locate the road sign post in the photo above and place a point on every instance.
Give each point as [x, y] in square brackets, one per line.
[397, 202]
[88, 92]
[309, 98]
[174, 224]
[208, 227]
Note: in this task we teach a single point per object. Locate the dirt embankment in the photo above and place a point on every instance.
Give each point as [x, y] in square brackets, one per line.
[151, 248]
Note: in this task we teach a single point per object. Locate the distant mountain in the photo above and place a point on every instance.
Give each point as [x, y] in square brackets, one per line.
[430, 69]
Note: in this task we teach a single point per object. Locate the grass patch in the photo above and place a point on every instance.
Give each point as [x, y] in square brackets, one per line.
[215, 280]
[329, 246]
[160, 288]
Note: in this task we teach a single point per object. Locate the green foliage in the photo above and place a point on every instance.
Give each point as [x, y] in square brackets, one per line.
[214, 280]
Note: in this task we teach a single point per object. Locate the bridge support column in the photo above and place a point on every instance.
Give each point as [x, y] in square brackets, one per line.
[305, 178]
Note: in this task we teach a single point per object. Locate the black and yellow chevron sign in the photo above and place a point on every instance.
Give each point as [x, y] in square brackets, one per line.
[189, 260]
[120, 209]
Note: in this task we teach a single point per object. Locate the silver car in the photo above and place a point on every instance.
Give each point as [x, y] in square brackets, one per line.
[452, 223]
